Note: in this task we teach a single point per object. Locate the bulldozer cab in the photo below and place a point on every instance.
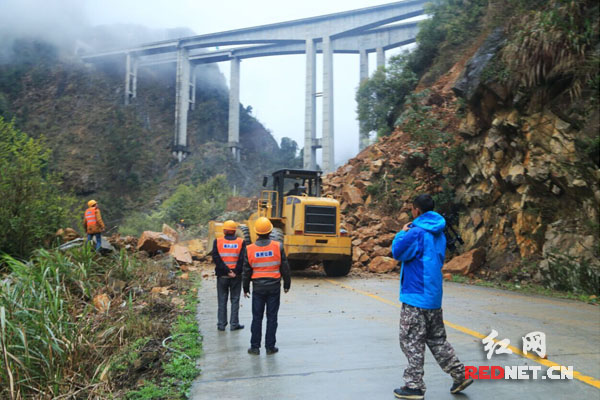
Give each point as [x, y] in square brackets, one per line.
[289, 182]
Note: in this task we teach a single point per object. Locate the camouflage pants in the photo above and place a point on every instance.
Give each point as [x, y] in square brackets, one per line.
[418, 327]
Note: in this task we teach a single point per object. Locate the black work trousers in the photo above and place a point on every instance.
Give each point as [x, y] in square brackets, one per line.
[268, 298]
[228, 288]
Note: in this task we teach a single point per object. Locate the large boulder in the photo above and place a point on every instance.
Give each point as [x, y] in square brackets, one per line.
[105, 246]
[181, 254]
[382, 264]
[152, 242]
[352, 195]
[466, 263]
[239, 204]
[390, 224]
[468, 83]
[167, 230]
[196, 248]
[357, 253]
[381, 251]
[67, 234]
[101, 302]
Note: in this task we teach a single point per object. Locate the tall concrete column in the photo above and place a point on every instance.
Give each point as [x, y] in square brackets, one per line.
[131, 67]
[310, 111]
[363, 133]
[364, 65]
[193, 87]
[182, 103]
[328, 140]
[380, 57]
[234, 108]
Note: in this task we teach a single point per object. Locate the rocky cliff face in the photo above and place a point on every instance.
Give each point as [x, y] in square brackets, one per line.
[526, 189]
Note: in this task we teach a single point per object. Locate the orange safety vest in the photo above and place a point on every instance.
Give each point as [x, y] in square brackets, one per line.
[229, 250]
[90, 216]
[265, 260]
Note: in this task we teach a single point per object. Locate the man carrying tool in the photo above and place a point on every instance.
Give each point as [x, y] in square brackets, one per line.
[228, 255]
[265, 264]
[93, 224]
[421, 246]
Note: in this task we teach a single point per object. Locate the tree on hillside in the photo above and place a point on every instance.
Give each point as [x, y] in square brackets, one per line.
[450, 26]
[288, 153]
[381, 97]
[32, 204]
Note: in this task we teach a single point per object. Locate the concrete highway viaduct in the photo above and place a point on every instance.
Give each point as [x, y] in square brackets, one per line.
[364, 31]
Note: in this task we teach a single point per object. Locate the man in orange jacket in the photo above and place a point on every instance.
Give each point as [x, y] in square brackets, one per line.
[228, 255]
[92, 221]
[265, 265]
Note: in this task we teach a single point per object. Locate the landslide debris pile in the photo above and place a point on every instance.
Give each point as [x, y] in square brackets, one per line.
[520, 169]
[376, 188]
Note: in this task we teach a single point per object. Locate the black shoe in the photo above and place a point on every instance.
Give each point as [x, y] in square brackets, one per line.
[236, 328]
[407, 393]
[220, 329]
[272, 350]
[254, 351]
[458, 387]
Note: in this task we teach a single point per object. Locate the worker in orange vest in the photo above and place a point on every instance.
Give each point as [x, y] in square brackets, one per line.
[92, 221]
[265, 264]
[228, 255]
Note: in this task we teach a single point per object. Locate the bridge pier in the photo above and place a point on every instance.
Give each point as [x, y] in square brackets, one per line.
[363, 133]
[234, 108]
[328, 152]
[352, 32]
[310, 112]
[131, 67]
[193, 87]
[182, 103]
[380, 57]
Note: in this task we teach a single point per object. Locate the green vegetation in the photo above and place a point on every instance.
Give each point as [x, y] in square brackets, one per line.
[384, 191]
[554, 42]
[54, 342]
[441, 40]
[194, 204]
[570, 273]
[32, 203]
[45, 330]
[381, 97]
[289, 156]
[443, 37]
[180, 367]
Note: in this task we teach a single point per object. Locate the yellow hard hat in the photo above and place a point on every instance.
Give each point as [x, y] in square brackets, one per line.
[263, 226]
[229, 226]
[92, 203]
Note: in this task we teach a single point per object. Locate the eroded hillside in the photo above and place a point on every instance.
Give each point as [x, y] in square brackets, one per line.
[512, 153]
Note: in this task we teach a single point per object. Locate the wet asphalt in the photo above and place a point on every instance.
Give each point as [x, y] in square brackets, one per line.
[338, 339]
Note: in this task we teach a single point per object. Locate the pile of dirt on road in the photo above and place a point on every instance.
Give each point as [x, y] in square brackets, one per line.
[376, 188]
[508, 164]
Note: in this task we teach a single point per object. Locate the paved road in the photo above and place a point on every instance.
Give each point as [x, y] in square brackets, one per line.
[338, 339]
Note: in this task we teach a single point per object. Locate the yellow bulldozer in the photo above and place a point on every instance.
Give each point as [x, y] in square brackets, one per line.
[307, 223]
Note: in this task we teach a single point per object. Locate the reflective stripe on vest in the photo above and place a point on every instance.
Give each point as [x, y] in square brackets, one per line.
[229, 250]
[90, 216]
[265, 260]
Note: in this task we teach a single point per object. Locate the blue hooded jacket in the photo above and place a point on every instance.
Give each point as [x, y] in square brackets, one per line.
[422, 250]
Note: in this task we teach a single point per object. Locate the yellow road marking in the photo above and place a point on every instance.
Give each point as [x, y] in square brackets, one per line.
[577, 375]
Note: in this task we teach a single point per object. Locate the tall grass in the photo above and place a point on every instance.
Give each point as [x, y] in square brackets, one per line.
[558, 40]
[38, 327]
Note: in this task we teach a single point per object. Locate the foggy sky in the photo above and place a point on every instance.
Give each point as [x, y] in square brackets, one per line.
[273, 86]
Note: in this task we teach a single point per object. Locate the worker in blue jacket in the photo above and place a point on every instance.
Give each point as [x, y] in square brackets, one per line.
[421, 246]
